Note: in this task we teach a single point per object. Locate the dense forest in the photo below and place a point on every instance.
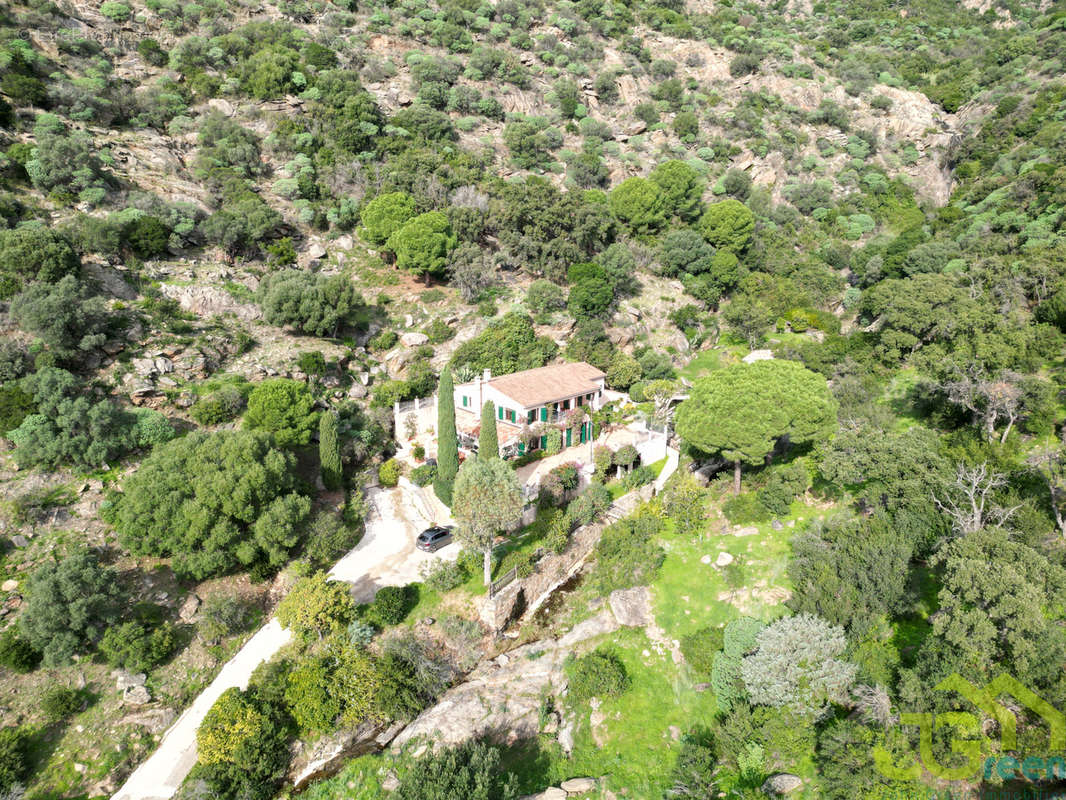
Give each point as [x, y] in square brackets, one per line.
[821, 244]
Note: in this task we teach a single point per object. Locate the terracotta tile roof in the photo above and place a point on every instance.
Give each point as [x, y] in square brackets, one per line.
[470, 424]
[535, 387]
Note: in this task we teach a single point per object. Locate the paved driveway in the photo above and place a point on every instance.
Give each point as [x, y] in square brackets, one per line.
[386, 556]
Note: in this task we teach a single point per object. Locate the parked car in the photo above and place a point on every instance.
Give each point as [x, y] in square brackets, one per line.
[433, 539]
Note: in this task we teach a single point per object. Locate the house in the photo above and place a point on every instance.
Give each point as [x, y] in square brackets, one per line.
[529, 404]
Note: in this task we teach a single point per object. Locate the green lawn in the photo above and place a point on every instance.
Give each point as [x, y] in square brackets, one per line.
[690, 595]
[705, 361]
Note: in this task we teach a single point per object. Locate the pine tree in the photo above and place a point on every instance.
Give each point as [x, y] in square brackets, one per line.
[447, 440]
[329, 451]
[488, 442]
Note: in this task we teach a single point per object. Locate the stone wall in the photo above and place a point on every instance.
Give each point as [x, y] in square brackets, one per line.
[522, 597]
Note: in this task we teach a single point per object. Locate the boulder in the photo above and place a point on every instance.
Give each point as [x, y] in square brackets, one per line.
[223, 107]
[330, 753]
[9, 585]
[155, 720]
[777, 525]
[782, 783]
[578, 785]
[189, 608]
[724, 559]
[631, 607]
[316, 252]
[357, 391]
[128, 680]
[566, 737]
[136, 696]
[413, 339]
[552, 793]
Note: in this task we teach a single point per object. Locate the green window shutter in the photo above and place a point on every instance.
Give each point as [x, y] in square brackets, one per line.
[543, 442]
[568, 432]
[544, 414]
[499, 412]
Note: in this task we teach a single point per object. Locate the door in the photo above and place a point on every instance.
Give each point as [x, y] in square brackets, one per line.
[568, 432]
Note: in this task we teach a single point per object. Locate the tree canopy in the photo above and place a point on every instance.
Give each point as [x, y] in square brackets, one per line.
[315, 304]
[741, 411]
[284, 408]
[69, 604]
[487, 500]
[213, 502]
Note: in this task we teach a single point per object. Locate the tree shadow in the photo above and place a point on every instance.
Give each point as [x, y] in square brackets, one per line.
[532, 762]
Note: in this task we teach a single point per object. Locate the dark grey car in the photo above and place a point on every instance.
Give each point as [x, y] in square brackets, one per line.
[432, 539]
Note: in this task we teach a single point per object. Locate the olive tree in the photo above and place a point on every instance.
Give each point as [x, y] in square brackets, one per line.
[486, 501]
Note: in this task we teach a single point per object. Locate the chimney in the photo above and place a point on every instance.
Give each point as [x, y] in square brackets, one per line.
[487, 375]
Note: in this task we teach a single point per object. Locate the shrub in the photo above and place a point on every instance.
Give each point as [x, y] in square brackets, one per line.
[59, 702]
[213, 502]
[224, 405]
[424, 475]
[589, 505]
[316, 304]
[16, 652]
[14, 758]
[330, 536]
[151, 428]
[389, 473]
[745, 509]
[222, 615]
[308, 697]
[33, 253]
[686, 124]
[700, 648]
[136, 647]
[241, 750]
[600, 673]
[68, 605]
[283, 407]
[361, 633]
[743, 64]
[469, 771]
[117, 12]
[543, 297]
[641, 476]
[626, 555]
[391, 605]
[316, 606]
[443, 576]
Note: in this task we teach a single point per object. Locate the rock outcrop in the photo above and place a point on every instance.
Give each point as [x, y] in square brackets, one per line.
[502, 698]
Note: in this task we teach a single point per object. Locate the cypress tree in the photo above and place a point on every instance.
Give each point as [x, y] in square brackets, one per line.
[447, 440]
[329, 450]
[488, 442]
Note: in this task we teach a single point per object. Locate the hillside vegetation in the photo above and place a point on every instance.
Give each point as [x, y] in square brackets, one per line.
[233, 235]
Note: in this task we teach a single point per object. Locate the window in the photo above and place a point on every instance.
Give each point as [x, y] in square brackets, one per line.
[531, 416]
[466, 401]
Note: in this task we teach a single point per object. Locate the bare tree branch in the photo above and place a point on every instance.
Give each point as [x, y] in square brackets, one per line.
[967, 500]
